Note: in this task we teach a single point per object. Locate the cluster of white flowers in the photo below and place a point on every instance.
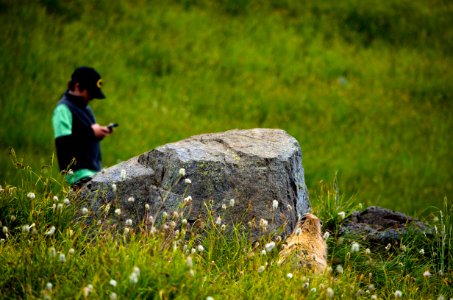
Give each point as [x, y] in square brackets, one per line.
[398, 294]
[339, 269]
[51, 231]
[131, 199]
[355, 247]
[367, 251]
[133, 278]
[261, 269]
[187, 181]
[263, 224]
[118, 212]
[326, 235]
[342, 215]
[182, 172]
[232, 201]
[289, 275]
[113, 282]
[218, 221]
[426, 274]
[128, 222]
[422, 251]
[274, 204]
[31, 195]
[200, 248]
[188, 199]
[329, 292]
[269, 246]
[84, 211]
[87, 290]
[114, 187]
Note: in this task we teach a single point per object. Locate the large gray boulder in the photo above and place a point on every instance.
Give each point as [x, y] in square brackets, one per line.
[253, 167]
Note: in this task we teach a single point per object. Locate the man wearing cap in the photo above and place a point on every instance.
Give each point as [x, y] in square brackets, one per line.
[77, 135]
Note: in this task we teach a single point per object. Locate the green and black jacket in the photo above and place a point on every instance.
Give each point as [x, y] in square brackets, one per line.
[78, 149]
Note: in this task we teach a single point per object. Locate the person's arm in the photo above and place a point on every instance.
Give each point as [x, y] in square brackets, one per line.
[62, 125]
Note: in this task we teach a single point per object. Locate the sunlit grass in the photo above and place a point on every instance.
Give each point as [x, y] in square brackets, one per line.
[106, 258]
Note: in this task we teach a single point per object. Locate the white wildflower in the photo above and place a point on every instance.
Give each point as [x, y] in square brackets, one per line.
[131, 199]
[60, 207]
[123, 174]
[184, 222]
[326, 235]
[263, 224]
[261, 269]
[263, 252]
[66, 201]
[289, 275]
[374, 297]
[355, 247]
[189, 262]
[175, 215]
[118, 211]
[62, 257]
[55, 198]
[422, 251]
[188, 199]
[371, 287]
[193, 250]
[49, 286]
[114, 187]
[126, 230]
[269, 246]
[1, 189]
[398, 294]
[136, 270]
[306, 285]
[128, 222]
[5, 229]
[274, 204]
[289, 207]
[12, 218]
[146, 206]
[200, 248]
[70, 172]
[113, 296]
[182, 172]
[84, 211]
[52, 252]
[51, 231]
[342, 214]
[224, 207]
[25, 228]
[403, 248]
[113, 282]
[31, 195]
[367, 251]
[339, 269]
[223, 227]
[218, 221]
[426, 274]
[388, 247]
[71, 251]
[329, 292]
[232, 202]
[313, 290]
[87, 290]
[192, 273]
[209, 298]
[164, 215]
[187, 181]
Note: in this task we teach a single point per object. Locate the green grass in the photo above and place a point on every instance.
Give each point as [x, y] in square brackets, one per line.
[364, 87]
[82, 257]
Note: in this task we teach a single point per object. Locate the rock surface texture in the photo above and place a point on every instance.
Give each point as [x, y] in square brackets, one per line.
[261, 169]
[381, 226]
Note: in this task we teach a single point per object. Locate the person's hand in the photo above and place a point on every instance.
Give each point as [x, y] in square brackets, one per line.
[100, 131]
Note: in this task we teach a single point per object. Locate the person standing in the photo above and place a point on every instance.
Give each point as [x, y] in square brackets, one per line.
[77, 135]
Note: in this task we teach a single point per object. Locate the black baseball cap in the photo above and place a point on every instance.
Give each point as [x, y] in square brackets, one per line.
[89, 79]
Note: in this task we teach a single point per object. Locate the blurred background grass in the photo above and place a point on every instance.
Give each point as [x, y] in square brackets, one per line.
[364, 86]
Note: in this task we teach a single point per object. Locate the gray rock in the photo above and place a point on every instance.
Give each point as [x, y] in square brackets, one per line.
[381, 226]
[253, 167]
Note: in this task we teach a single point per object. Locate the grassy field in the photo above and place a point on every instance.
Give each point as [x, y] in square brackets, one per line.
[49, 250]
[364, 86]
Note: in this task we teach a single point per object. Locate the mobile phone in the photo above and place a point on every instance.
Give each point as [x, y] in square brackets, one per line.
[112, 125]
